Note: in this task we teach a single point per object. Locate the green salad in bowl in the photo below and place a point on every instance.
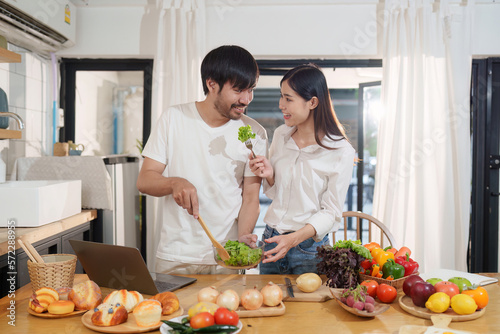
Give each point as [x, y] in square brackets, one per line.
[241, 255]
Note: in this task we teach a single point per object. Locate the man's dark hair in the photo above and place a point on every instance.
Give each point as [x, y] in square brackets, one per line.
[229, 63]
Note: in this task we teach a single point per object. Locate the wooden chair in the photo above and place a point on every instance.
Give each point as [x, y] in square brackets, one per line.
[377, 231]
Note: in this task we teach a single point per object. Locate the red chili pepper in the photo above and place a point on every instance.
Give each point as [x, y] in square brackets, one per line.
[410, 265]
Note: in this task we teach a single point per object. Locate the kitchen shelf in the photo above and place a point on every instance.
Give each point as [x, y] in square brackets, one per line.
[7, 56]
[10, 134]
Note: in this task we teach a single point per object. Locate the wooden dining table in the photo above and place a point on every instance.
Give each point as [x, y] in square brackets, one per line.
[299, 317]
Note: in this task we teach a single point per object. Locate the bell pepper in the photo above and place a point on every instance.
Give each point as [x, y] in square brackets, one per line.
[367, 264]
[391, 249]
[376, 270]
[370, 246]
[391, 268]
[410, 265]
[381, 256]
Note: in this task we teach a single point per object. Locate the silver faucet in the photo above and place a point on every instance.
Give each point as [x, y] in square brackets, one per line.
[15, 116]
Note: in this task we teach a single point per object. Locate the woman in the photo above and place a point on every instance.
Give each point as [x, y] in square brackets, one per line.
[307, 177]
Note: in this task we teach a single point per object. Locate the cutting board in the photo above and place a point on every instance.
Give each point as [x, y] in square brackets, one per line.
[422, 312]
[263, 311]
[321, 295]
[440, 326]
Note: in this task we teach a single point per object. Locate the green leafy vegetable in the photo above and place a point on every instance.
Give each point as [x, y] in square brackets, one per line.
[356, 246]
[240, 254]
[245, 133]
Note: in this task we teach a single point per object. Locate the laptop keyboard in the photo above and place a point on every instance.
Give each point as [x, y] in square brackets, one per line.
[165, 286]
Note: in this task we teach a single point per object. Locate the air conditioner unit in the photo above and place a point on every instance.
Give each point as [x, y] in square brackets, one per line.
[42, 26]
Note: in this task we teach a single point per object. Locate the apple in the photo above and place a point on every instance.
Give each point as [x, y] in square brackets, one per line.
[409, 282]
[433, 281]
[461, 282]
[447, 287]
[420, 292]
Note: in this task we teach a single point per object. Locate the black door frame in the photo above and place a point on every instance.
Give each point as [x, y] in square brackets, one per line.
[68, 69]
[485, 116]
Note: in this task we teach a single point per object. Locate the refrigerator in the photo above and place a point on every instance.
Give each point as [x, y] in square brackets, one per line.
[122, 225]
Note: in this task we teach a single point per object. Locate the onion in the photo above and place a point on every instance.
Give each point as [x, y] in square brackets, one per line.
[309, 282]
[272, 294]
[251, 299]
[229, 299]
[208, 294]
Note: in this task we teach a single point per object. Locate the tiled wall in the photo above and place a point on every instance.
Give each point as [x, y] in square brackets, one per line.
[28, 86]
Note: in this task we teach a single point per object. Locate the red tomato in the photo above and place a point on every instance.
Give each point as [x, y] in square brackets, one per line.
[386, 293]
[202, 319]
[447, 287]
[223, 316]
[371, 287]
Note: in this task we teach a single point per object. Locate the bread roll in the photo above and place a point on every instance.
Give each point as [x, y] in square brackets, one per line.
[86, 295]
[129, 299]
[148, 313]
[61, 307]
[47, 291]
[169, 302]
[109, 315]
[42, 298]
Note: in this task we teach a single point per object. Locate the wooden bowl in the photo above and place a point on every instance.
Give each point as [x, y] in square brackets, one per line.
[379, 307]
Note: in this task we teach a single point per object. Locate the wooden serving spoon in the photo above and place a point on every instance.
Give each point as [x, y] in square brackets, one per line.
[224, 255]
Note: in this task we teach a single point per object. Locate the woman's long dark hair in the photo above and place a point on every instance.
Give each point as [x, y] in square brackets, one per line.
[308, 81]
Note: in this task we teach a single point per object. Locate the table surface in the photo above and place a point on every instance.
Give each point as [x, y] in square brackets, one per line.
[312, 317]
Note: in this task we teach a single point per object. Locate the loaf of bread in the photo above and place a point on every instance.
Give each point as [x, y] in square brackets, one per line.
[148, 313]
[129, 299]
[109, 315]
[42, 298]
[169, 302]
[61, 307]
[86, 295]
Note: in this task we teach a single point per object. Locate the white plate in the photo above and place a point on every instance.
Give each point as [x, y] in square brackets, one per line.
[164, 328]
[446, 274]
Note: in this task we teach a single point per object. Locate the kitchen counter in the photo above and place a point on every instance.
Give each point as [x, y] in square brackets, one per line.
[300, 317]
[34, 234]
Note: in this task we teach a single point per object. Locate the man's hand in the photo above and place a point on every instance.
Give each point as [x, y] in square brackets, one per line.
[284, 244]
[185, 196]
[249, 239]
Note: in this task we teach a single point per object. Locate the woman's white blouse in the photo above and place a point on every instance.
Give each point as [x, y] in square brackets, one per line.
[310, 184]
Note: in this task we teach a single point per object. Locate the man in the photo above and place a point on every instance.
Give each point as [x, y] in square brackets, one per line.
[194, 160]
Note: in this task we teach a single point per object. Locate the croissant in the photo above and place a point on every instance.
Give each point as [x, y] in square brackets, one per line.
[169, 302]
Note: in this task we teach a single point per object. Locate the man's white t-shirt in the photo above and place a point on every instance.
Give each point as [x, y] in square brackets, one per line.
[215, 162]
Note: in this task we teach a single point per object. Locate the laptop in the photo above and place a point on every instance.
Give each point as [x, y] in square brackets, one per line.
[121, 267]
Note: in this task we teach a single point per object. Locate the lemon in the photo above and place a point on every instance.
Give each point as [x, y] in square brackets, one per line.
[463, 304]
[438, 302]
[202, 307]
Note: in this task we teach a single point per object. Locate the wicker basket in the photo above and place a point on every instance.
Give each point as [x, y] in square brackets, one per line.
[58, 271]
[397, 283]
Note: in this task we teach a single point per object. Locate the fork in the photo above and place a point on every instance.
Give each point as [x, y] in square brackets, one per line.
[249, 145]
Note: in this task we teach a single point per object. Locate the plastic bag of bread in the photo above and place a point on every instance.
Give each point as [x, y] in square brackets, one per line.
[148, 313]
[109, 315]
[129, 299]
[86, 295]
[169, 302]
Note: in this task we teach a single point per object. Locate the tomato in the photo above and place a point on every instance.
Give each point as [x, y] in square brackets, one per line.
[386, 293]
[371, 287]
[223, 316]
[480, 296]
[201, 320]
[447, 287]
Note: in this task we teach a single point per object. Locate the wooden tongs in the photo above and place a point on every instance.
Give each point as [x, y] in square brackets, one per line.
[224, 255]
[30, 251]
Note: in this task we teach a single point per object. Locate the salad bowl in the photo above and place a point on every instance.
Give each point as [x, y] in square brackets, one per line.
[241, 255]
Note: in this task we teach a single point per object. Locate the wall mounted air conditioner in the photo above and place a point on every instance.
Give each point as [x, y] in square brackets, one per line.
[42, 26]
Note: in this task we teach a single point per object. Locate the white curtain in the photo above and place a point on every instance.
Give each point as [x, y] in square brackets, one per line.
[176, 79]
[423, 172]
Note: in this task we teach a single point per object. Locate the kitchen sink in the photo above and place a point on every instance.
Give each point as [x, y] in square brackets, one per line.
[36, 203]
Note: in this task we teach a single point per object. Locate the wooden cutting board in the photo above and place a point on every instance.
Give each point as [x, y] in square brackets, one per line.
[263, 311]
[440, 326]
[422, 312]
[321, 295]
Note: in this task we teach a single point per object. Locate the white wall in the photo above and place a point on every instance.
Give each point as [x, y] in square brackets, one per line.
[268, 29]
